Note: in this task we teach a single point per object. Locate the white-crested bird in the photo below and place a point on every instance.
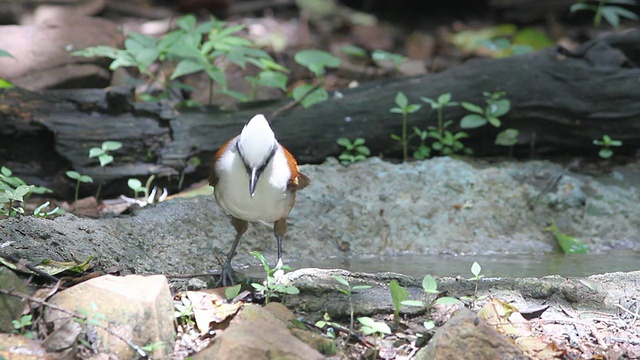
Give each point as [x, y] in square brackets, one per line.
[255, 180]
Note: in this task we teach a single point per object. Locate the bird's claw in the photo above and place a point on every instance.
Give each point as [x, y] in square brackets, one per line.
[226, 275]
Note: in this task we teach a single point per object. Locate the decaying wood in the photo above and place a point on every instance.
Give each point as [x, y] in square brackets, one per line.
[561, 100]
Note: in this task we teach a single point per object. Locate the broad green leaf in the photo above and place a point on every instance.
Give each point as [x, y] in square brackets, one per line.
[134, 184]
[581, 6]
[396, 110]
[499, 107]
[234, 94]
[273, 79]
[341, 280]
[105, 159]
[187, 66]
[472, 107]
[472, 121]
[444, 98]
[186, 22]
[354, 51]
[111, 145]
[401, 100]
[216, 75]
[476, 268]
[344, 142]
[508, 137]
[605, 153]
[447, 300]
[413, 108]
[381, 55]
[494, 121]
[5, 53]
[316, 60]
[398, 294]
[316, 96]
[358, 141]
[429, 285]
[73, 174]
[95, 151]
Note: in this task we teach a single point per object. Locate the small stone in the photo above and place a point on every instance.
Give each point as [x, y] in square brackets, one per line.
[10, 306]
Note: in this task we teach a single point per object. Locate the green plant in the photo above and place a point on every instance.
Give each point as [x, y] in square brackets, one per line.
[8, 181]
[496, 107]
[398, 295]
[326, 321]
[368, 326]
[316, 61]
[40, 213]
[508, 137]
[79, 179]
[349, 290]
[191, 48]
[430, 297]
[12, 200]
[21, 325]
[184, 311]
[445, 141]
[475, 270]
[403, 107]
[104, 158]
[607, 143]
[607, 9]
[353, 151]
[382, 55]
[271, 288]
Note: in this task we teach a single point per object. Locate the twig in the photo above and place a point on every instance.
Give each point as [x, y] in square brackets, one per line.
[551, 183]
[28, 265]
[135, 347]
[295, 102]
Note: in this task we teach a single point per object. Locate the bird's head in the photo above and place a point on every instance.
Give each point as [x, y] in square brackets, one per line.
[257, 145]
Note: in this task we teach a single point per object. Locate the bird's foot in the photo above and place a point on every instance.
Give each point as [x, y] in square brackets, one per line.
[226, 275]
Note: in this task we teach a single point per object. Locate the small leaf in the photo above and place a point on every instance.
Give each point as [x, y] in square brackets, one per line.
[316, 96]
[134, 184]
[111, 145]
[499, 107]
[605, 153]
[447, 300]
[417, 303]
[95, 151]
[341, 280]
[429, 284]
[494, 121]
[5, 53]
[353, 51]
[187, 66]
[361, 287]
[105, 159]
[413, 108]
[508, 137]
[472, 121]
[444, 98]
[472, 107]
[344, 142]
[401, 100]
[358, 141]
[396, 137]
[476, 269]
[73, 174]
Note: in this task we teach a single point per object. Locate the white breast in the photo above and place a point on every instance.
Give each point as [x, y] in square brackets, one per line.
[272, 200]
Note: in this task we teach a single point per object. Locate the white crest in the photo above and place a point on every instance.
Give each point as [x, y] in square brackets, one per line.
[257, 141]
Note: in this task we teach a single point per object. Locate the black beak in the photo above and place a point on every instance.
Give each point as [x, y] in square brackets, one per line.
[254, 175]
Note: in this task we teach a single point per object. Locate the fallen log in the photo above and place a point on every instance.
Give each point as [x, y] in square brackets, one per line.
[560, 102]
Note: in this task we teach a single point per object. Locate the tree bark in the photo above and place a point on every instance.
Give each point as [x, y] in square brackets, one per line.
[560, 102]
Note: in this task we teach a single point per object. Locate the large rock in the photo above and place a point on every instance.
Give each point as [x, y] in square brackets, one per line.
[138, 308]
[466, 336]
[259, 333]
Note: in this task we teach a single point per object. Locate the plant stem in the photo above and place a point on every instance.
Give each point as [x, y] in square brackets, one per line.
[598, 18]
[404, 136]
[440, 122]
[77, 189]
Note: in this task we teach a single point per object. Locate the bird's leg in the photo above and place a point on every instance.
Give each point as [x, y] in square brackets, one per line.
[279, 230]
[226, 272]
